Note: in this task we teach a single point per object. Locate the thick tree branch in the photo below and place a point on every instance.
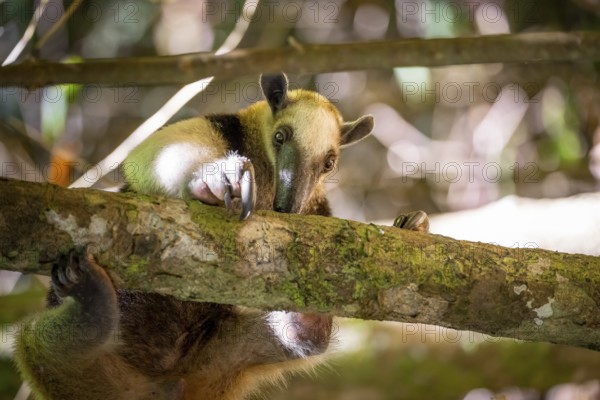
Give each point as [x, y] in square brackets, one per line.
[310, 58]
[279, 261]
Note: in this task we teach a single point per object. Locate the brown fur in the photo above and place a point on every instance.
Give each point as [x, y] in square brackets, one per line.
[156, 347]
[161, 348]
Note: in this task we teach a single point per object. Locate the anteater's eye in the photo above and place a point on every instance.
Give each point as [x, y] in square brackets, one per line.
[329, 164]
[279, 138]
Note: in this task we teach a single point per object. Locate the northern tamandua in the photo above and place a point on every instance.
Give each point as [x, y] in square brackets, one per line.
[292, 140]
[96, 342]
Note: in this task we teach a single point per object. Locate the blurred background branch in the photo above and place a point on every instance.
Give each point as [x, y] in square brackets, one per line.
[27, 35]
[166, 111]
[298, 58]
[58, 24]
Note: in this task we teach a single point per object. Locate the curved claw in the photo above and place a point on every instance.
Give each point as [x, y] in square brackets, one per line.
[248, 189]
[227, 196]
[414, 221]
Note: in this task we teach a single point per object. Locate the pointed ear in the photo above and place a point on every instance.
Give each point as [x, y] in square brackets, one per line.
[275, 88]
[357, 130]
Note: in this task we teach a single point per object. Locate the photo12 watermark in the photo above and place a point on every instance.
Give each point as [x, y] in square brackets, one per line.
[453, 12]
[467, 92]
[89, 93]
[470, 172]
[272, 11]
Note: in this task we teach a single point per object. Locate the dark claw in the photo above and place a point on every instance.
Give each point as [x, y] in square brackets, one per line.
[227, 197]
[248, 189]
[65, 274]
[414, 221]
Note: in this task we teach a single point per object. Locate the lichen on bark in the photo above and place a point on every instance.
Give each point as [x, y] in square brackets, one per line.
[312, 263]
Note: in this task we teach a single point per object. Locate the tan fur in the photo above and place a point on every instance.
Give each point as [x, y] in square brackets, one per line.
[316, 123]
[260, 376]
[315, 120]
[165, 349]
[197, 132]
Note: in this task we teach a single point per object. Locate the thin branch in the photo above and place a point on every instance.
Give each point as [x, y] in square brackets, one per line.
[59, 24]
[312, 58]
[295, 262]
[174, 104]
[27, 35]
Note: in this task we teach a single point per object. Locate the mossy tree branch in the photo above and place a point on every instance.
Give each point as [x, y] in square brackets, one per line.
[310, 58]
[279, 261]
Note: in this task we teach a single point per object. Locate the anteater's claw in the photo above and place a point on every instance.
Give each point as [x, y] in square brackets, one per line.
[414, 221]
[227, 196]
[248, 189]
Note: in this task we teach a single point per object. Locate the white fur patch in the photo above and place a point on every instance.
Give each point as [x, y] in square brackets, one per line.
[174, 163]
[212, 175]
[286, 330]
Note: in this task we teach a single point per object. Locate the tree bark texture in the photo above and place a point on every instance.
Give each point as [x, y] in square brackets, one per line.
[312, 263]
[298, 58]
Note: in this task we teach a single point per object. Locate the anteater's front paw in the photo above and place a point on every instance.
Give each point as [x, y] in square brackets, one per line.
[414, 221]
[220, 181]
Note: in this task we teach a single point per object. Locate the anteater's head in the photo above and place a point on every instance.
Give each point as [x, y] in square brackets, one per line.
[304, 141]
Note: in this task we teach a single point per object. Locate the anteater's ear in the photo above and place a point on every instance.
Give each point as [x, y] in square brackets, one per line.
[275, 89]
[354, 131]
